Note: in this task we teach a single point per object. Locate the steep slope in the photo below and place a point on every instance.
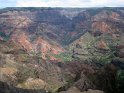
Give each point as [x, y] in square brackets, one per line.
[24, 71]
[103, 39]
[41, 31]
[52, 23]
[39, 46]
[46, 31]
[15, 29]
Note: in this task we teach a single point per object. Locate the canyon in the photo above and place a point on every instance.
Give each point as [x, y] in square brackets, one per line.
[61, 50]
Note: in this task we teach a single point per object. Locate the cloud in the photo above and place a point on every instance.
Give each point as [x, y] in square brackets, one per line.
[69, 3]
[7, 3]
[62, 3]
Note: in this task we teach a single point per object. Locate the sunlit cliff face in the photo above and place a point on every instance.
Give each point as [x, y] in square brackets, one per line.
[37, 46]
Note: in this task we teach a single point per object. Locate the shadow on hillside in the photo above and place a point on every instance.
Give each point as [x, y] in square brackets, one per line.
[5, 88]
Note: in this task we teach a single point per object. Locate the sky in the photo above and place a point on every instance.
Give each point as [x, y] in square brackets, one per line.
[61, 3]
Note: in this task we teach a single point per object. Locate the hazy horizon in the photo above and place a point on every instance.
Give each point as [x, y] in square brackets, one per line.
[61, 3]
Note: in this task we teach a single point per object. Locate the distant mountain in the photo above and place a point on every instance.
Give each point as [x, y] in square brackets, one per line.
[53, 28]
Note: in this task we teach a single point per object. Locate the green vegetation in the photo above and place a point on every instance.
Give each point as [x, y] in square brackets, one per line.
[120, 81]
[102, 59]
[64, 57]
[5, 37]
[2, 34]
[26, 72]
[23, 57]
[99, 55]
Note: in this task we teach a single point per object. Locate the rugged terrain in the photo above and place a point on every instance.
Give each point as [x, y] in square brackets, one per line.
[66, 50]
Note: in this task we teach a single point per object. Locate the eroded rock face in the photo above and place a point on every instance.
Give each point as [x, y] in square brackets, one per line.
[39, 45]
[102, 45]
[32, 28]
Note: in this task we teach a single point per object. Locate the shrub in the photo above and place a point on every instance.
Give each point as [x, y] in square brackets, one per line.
[120, 81]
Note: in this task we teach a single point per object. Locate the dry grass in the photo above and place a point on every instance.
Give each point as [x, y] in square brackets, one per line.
[33, 84]
[8, 71]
